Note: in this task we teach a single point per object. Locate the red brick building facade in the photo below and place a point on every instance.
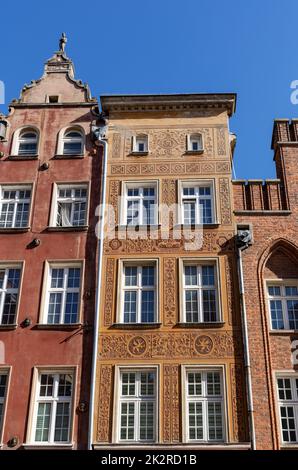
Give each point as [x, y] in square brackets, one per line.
[47, 260]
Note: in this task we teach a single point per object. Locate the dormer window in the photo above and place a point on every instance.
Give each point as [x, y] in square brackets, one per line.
[53, 99]
[27, 142]
[195, 143]
[73, 142]
[140, 144]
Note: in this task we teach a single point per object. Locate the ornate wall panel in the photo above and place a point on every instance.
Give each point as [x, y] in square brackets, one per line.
[116, 145]
[109, 291]
[171, 408]
[221, 141]
[170, 306]
[225, 201]
[188, 168]
[104, 419]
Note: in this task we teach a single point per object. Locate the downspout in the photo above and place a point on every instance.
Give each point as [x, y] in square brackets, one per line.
[101, 141]
[243, 239]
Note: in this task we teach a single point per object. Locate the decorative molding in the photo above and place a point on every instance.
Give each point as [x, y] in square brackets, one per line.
[116, 145]
[171, 409]
[104, 403]
[114, 197]
[225, 201]
[170, 291]
[109, 291]
[230, 289]
[189, 168]
[221, 141]
[170, 345]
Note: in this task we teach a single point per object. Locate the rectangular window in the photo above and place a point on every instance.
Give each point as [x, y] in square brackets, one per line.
[200, 299]
[71, 207]
[287, 388]
[140, 204]
[14, 206]
[9, 293]
[137, 394]
[53, 407]
[197, 203]
[63, 294]
[3, 391]
[283, 306]
[205, 406]
[139, 293]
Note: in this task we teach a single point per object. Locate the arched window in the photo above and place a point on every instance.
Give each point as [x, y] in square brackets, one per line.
[195, 143]
[27, 142]
[73, 142]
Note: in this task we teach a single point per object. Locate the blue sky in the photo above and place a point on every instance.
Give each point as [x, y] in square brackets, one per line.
[168, 46]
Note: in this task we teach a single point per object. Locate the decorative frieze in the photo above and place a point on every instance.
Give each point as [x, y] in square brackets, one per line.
[109, 291]
[116, 145]
[225, 201]
[104, 406]
[171, 408]
[188, 168]
[221, 141]
[170, 291]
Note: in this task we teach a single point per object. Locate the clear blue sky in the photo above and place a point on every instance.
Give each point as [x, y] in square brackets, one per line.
[168, 46]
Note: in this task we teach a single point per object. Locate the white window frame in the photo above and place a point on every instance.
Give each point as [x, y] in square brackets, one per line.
[54, 400]
[140, 139]
[3, 400]
[121, 283]
[61, 140]
[287, 403]
[64, 290]
[195, 137]
[16, 141]
[204, 369]
[200, 262]
[282, 284]
[140, 185]
[55, 200]
[197, 184]
[117, 403]
[16, 201]
[7, 267]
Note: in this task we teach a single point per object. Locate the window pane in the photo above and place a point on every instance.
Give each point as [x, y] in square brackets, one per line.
[6, 215]
[189, 212]
[191, 275]
[194, 383]
[213, 383]
[209, 305]
[3, 381]
[131, 275]
[127, 421]
[130, 307]
[292, 306]
[72, 148]
[147, 383]
[128, 383]
[132, 212]
[146, 421]
[148, 212]
[205, 210]
[208, 276]
[74, 275]
[188, 191]
[46, 385]
[148, 276]
[288, 424]
[65, 385]
[215, 425]
[71, 307]
[284, 389]
[147, 313]
[195, 418]
[274, 290]
[79, 215]
[276, 315]
[62, 422]
[191, 306]
[13, 280]
[57, 277]
[9, 309]
[55, 307]
[43, 422]
[291, 291]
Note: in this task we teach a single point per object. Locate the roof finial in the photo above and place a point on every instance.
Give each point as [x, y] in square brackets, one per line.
[62, 42]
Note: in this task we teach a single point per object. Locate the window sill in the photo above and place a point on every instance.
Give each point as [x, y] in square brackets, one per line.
[139, 154]
[138, 228]
[14, 229]
[22, 157]
[218, 324]
[68, 157]
[79, 228]
[9, 327]
[48, 446]
[135, 326]
[194, 152]
[283, 332]
[58, 326]
[293, 446]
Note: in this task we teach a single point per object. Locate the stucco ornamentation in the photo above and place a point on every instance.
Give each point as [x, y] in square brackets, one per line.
[171, 410]
[105, 394]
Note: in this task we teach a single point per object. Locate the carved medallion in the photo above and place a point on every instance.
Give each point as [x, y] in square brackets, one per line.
[137, 346]
[204, 344]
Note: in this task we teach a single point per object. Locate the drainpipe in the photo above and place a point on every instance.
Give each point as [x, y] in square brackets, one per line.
[243, 241]
[99, 134]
